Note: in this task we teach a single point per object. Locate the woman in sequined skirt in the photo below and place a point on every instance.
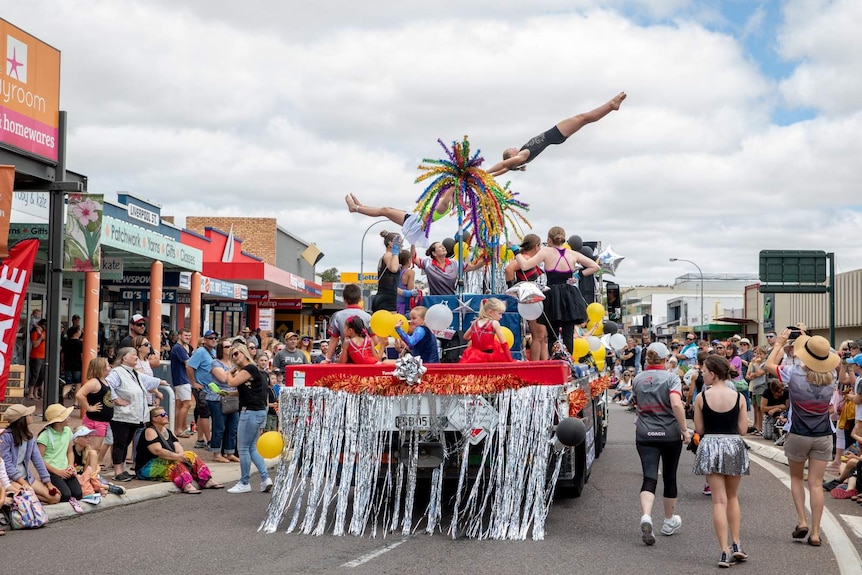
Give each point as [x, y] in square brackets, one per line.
[721, 419]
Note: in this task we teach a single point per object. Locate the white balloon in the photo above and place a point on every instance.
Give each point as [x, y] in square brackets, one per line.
[438, 317]
[618, 341]
[526, 292]
[595, 343]
[606, 340]
[530, 311]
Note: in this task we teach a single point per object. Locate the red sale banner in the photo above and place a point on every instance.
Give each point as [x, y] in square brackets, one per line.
[14, 278]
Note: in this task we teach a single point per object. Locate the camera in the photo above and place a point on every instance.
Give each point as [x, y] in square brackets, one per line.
[794, 333]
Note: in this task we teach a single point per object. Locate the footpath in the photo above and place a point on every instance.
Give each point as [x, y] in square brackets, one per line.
[136, 491]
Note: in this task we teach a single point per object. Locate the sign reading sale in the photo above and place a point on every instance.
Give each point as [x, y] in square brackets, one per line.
[14, 278]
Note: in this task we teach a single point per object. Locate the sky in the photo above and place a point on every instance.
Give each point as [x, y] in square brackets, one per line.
[741, 130]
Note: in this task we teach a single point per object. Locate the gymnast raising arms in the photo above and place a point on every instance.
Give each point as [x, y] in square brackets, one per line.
[515, 159]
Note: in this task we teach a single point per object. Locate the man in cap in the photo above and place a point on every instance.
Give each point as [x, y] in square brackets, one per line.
[138, 326]
[199, 369]
[290, 355]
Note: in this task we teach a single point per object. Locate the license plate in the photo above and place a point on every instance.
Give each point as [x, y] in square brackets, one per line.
[413, 421]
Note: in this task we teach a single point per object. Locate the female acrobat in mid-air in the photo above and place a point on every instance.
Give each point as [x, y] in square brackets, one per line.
[515, 159]
[411, 225]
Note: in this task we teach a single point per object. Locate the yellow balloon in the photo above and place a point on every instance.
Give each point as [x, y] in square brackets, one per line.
[600, 328]
[599, 354]
[596, 312]
[508, 336]
[270, 444]
[461, 249]
[600, 365]
[580, 348]
[567, 246]
[396, 317]
[382, 323]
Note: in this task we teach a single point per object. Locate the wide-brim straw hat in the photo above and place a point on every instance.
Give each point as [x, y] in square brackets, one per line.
[815, 353]
[55, 413]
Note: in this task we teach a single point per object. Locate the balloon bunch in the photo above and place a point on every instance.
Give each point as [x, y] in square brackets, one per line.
[383, 323]
[478, 198]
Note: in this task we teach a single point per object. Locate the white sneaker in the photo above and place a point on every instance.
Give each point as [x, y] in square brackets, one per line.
[672, 525]
[646, 530]
[240, 488]
[266, 486]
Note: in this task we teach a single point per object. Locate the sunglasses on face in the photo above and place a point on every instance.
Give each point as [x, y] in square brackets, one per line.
[235, 354]
[162, 414]
[146, 344]
[225, 347]
[140, 324]
[212, 338]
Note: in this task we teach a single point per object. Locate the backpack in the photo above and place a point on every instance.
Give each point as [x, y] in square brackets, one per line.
[26, 511]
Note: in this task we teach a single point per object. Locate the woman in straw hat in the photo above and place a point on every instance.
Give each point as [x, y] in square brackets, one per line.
[55, 446]
[17, 437]
[810, 386]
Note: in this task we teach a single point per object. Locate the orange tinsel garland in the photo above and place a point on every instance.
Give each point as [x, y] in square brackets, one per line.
[599, 385]
[577, 401]
[442, 384]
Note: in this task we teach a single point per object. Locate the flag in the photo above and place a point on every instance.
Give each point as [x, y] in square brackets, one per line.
[14, 278]
[81, 252]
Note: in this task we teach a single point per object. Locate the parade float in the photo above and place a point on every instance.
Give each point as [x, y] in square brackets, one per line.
[475, 450]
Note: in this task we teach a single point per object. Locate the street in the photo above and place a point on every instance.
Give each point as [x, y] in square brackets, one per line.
[216, 532]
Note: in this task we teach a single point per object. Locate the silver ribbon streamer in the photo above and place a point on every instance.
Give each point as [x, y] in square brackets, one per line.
[409, 368]
[350, 469]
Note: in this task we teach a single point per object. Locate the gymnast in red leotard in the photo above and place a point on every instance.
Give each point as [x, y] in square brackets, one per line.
[487, 343]
[359, 348]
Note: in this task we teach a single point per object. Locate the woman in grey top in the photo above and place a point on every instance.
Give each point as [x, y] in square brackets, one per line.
[660, 432]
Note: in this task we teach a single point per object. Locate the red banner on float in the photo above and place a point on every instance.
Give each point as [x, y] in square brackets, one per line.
[14, 278]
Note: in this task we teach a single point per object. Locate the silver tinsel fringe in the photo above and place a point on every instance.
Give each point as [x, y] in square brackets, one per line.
[337, 473]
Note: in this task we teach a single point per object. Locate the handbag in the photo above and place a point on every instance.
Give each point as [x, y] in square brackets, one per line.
[847, 420]
[229, 404]
[26, 511]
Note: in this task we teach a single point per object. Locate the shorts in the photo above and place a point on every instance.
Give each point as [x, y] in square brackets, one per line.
[201, 408]
[183, 392]
[109, 437]
[100, 428]
[413, 231]
[798, 448]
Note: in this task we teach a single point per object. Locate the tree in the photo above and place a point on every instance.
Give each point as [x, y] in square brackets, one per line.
[330, 275]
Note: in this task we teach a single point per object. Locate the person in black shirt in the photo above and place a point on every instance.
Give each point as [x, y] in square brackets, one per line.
[251, 386]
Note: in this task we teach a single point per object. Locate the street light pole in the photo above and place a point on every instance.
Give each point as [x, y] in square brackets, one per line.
[362, 258]
[701, 289]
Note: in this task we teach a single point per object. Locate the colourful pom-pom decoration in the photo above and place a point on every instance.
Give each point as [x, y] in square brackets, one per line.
[478, 198]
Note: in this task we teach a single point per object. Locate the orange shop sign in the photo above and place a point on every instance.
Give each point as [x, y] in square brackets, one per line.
[29, 93]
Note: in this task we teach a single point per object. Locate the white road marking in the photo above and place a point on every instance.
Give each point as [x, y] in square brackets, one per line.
[846, 556]
[374, 554]
[855, 524]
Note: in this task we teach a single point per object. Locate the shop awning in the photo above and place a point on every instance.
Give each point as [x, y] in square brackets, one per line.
[261, 276]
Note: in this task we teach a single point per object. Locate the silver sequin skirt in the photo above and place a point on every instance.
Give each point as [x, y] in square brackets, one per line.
[724, 454]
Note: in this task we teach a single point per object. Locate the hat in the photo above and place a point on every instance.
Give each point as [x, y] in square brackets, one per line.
[16, 411]
[56, 412]
[289, 335]
[659, 348]
[856, 360]
[137, 318]
[210, 333]
[246, 329]
[735, 337]
[305, 337]
[745, 340]
[715, 341]
[815, 353]
[82, 431]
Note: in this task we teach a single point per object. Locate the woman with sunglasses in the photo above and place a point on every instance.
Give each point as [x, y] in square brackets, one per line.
[224, 425]
[306, 346]
[251, 385]
[161, 457]
[147, 360]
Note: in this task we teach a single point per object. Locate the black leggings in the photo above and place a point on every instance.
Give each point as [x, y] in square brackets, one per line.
[124, 433]
[68, 487]
[668, 452]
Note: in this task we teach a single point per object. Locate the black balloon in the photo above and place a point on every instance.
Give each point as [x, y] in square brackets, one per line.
[571, 431]
[449, 244]
[610, 327]
[587, 251]
[576, 243]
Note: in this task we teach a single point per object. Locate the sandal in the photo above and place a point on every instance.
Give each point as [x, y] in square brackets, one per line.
[191, 490]
[220, 459]
[814, 542]
[800, 532]
[232, 458]
[183, 435]
[211, 484]
[75, 505]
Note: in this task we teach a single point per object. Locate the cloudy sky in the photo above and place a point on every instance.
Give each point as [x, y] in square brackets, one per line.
[741, 130]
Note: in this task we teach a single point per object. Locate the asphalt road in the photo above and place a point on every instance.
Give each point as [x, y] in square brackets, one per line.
[216, 532]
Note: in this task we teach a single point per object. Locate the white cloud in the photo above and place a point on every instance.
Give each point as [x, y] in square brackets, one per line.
[262, 108]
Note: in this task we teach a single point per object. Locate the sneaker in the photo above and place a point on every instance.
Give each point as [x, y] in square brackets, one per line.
[200, 444]
[240, 488]
[725, 560]
[737, 552]
[671, 526]
[830, 485]
[92, 499]
[780, 441]
[116, 489]
[646, 530]
[707, 490]
[124, 476]
[75, 505]
[266, 485]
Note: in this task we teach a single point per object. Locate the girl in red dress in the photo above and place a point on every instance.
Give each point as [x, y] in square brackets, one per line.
[358, 345]
[487, 342]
